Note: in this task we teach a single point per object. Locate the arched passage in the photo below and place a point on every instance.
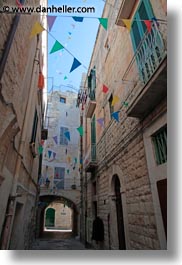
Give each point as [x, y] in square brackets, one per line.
[117, 218]
[49, 202]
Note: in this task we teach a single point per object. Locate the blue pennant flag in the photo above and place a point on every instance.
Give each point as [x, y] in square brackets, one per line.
[49, 153]
[78, 19]
[67, 135]
[115, 115]
[76, 64]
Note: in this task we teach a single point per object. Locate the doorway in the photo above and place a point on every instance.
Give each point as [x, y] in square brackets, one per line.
[119, 213]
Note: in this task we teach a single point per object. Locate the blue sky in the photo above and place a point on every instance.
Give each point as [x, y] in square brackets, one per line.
[80, 45]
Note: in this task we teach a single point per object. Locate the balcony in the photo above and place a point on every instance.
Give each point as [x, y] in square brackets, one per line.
[90, 161]
[91, 104]
[146, 75]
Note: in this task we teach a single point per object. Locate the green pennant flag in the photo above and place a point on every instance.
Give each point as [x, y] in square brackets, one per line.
[40, 149]
[57, 46]
[125, 104]
[65, 78]
[104, 22]
[80, 130]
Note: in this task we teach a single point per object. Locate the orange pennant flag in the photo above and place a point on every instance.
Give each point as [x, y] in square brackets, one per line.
[127, 23]
[37, 29]
[41, 81]
[148, 23]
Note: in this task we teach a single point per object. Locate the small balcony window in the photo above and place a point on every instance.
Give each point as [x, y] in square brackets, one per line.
[92, 84]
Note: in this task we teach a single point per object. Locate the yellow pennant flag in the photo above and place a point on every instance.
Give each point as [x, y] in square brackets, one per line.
[115, 100]
[37, 28]
[127, 23]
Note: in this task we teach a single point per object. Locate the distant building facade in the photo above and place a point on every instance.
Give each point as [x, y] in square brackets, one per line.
[21, 123]
[125, 153]
[60, 176]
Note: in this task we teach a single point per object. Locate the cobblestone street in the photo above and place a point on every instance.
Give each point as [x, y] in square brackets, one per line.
[64, 242]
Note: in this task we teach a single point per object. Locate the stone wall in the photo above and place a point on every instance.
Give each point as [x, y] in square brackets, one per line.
[120, 146]
[18, 101]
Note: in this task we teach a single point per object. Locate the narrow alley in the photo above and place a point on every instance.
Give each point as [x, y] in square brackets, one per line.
[83, 125]
[58, 242]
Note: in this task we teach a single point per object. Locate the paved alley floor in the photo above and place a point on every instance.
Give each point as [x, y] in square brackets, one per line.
[55, 243]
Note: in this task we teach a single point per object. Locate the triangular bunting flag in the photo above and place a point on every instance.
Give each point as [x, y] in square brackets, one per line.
[19, 4]
[49, 153]
[148, 23]
[115, 115]
[78, 19]
[65, 78]
[40, 150]
[75, 160]
[57, 46]
[105, 89]
[50, 21]
[68, 171]
[69, 159]
[104, 22]
[80, 130]
[55, 138]
[127, 23]
[69, 33]
[125, 104]
[75, 65]
[67, 135]
[101, 122]
[37, 29]
[115, 100]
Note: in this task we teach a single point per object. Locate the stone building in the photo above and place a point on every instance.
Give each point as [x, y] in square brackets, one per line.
[21, 122]
[125, 124]
[60, 179]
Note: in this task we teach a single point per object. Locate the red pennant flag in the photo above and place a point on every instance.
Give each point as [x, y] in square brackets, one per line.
[19, 4]
[148, 23]
[105, 89]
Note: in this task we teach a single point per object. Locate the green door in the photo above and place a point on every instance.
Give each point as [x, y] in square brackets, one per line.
[50, 217]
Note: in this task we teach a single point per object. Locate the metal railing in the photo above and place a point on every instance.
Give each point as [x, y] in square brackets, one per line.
[149, 54]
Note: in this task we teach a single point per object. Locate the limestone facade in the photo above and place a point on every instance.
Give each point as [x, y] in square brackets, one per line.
[20, 99]
[122, 184]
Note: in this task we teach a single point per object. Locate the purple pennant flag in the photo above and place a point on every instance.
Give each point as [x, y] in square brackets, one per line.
[50, 21]
[101, 122]
[54, 155]
[55, 139]
[49, 153]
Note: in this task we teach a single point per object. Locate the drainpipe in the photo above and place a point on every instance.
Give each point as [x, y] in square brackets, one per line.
[12, 202]
[81, 180]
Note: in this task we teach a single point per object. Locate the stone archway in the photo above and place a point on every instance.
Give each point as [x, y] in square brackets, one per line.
[44, 202]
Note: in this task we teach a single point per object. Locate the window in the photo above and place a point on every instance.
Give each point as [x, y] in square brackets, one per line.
[62, 100]
[160, 145]
[59, 174]
[34, 129]
[92, 84]
[110, 104]
[139, 28]
[63, 139]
